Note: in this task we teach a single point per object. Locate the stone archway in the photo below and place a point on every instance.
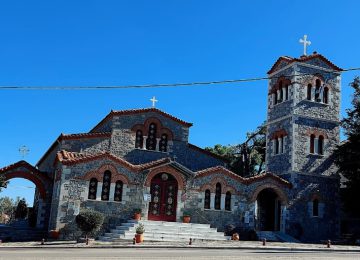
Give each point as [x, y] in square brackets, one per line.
[268, 210]
[270, 201]
[26, 171]
[43, 185]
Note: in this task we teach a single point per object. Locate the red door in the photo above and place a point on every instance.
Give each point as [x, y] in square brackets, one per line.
[163, 198]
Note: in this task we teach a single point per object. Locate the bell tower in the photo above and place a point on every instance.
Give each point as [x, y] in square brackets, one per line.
[303, 129]
[303, 115]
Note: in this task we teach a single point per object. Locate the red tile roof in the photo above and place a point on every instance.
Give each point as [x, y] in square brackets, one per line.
[244, 180]
[303, 59]
[140, 111]
[71, 158]
[84, 135]
[73, 137]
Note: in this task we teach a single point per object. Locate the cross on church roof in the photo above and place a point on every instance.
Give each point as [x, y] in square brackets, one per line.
[153, 100]
[23, 150]
[305, 43]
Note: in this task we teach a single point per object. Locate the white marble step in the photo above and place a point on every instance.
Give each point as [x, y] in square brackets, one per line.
[164, 231]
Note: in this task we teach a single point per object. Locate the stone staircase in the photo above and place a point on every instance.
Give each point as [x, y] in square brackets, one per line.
[164, 231]
[276, 236]
[20, 231]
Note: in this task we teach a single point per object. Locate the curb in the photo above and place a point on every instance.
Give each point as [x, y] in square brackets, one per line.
[291, 249]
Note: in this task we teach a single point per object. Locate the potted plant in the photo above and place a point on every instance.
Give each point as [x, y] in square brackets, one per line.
[54, 234]
[137, 214]
[186, 217]
[139, 236]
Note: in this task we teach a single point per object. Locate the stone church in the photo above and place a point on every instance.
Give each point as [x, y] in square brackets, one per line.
[141, 158]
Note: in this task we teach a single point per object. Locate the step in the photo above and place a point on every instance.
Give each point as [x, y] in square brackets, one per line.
[164, 231]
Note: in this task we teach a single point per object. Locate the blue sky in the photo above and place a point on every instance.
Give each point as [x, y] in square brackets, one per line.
[89, 43]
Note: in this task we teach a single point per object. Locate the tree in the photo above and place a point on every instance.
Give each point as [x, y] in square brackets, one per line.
[348, 154]
[248, 158]
[89, 221]
[21, 211]
[3, 182]
[6, 208]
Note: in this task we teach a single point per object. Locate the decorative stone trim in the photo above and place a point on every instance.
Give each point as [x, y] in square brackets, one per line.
[283, 197]
[98, 174]
[166, 169]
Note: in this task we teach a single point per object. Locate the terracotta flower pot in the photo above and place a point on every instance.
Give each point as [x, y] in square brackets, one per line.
[186, 219]
[54, 234]
[137, 216]
[139, 238]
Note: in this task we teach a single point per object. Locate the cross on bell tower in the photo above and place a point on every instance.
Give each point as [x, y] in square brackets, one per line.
[305, 42]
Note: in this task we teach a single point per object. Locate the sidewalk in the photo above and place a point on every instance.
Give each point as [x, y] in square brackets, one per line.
[256, 245]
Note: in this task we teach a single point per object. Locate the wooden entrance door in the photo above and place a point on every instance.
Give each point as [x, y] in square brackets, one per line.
[163, 203]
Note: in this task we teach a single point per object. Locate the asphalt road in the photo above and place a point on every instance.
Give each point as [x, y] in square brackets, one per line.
[156, 253]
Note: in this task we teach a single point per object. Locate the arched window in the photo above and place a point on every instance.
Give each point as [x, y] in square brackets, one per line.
[317, 90]
[321, 145]
[286, 92]
[151, 139]
[277, 146]
[275, 98]
[217, 196]
[281, 139]
[139, 139]
[106, 186]
[207, 200]
[281, 91]
[228, 201]
[312, 143]
[92, 189]
[163, 143]
[315, 208]
[326, 95]
[118, 191]
[309, 90]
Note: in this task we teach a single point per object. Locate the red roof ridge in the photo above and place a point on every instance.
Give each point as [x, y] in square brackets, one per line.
[70, 158]
[18, 164]
[27, 166]
[302, 59]
[84, 135]
[141, 110]
[244, 180]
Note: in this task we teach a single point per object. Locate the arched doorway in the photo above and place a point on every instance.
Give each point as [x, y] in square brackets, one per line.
[163, 189]
[268, 210]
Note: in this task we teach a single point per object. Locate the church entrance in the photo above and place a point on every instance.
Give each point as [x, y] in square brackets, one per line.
[268, 211]
[163, 203]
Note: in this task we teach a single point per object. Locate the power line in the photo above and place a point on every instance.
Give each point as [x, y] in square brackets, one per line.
[186, 84]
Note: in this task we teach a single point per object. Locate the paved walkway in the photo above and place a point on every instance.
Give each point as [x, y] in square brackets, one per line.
[195, 244]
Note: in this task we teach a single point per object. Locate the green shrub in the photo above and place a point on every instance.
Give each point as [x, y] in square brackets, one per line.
[89, 221]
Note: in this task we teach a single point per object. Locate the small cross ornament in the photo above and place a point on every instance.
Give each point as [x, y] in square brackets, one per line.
[153, 100]
[23, 150]
[305, 42]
